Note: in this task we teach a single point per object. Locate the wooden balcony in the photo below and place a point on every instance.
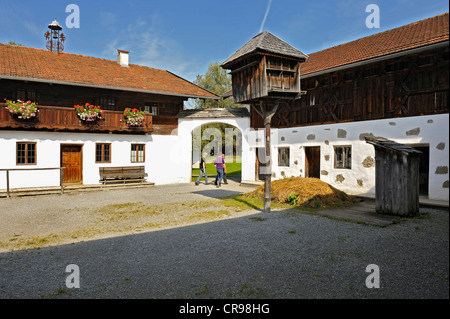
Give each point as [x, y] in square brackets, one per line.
[65, 119]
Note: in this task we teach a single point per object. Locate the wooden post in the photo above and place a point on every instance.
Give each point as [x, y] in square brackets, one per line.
[61, 179]
[268, 175]
[7, 184]
[267, 117]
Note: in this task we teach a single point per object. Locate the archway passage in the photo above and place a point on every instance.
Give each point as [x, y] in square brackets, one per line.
[210, 141]
[224, 131]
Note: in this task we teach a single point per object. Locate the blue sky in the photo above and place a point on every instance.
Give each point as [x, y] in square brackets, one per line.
[184, 37]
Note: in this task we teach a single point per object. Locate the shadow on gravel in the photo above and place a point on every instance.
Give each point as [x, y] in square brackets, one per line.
[216, 192]
[264, 255]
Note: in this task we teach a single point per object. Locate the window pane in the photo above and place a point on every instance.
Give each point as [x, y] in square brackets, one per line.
[106, 153]
[31, 154]
[338, 154]
[133, 153]
[348, 157]
[98, 153]
[21, 95]
[31, 95]
[140, 153]
[20, 153]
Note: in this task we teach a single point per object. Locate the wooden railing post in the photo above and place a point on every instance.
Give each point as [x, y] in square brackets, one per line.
[7, 183]
[7, 170]
[61, 179]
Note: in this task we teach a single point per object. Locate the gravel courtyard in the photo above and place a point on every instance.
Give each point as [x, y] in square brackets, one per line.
[186, 241]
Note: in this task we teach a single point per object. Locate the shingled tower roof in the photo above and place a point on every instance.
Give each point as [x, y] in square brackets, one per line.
[265, 42]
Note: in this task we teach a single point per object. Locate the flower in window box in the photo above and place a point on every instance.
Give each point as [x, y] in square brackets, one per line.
[89, 113]
[22, 110]
[134, 117]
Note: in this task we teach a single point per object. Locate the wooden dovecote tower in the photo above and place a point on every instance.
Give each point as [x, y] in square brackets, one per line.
[265, 73]
[265, 67]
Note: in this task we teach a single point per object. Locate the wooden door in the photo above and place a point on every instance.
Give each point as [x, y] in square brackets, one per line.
[71, 159]
[424, 169]
[312, 161]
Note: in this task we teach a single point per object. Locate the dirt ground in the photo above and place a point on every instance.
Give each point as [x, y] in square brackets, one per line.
[43, 220]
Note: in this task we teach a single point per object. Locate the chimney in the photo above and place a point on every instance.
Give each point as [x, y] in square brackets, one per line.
[122, 57]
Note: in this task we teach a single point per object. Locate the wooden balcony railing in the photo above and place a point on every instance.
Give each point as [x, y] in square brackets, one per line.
[66, 119]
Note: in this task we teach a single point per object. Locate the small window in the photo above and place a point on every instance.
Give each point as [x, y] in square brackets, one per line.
[137, 153]
[26, 95]
[343, 157]
[26, 153]
[108, 103]
[151, 108]
[283, 156]
[102, 153]
[312, 99]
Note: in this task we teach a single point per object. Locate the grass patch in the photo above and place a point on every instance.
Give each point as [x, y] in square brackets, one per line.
[233, 169]
[30, 242]
[129, 217]
[246, 202]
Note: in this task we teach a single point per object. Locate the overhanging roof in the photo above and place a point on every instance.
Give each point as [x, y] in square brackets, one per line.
[29, 64]
[265, 42]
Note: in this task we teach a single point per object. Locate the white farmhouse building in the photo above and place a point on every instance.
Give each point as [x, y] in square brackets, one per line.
[392, 84]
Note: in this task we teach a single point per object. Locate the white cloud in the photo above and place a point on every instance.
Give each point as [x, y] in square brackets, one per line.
[108, 20]
[32, 28]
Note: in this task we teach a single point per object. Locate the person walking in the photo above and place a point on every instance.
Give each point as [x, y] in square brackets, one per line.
[219, 164]
[225, 181]
[202, 170]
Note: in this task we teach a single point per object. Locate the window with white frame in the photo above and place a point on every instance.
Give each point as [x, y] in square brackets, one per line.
[137, 153]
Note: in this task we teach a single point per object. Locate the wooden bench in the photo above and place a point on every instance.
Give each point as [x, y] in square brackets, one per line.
[122, 174]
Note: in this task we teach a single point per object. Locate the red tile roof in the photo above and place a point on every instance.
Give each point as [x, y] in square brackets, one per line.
[42, 65]
[425, 32]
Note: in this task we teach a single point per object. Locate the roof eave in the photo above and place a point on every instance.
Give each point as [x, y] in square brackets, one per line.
[377, 59]
[194, 96]
[226, 65]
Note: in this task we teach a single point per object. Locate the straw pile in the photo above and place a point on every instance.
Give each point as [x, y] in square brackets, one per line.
[304, 192]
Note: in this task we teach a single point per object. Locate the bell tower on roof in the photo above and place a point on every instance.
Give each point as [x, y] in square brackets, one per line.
[55, 38]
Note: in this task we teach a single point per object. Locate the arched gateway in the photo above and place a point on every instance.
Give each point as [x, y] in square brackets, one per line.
[188, 120]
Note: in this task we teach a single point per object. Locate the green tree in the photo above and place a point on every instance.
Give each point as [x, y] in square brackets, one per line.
[217, 81]
[14, 43]
[217, 137]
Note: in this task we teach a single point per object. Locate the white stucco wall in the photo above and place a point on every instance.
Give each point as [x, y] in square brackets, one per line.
[48, 147]
[422, 130]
